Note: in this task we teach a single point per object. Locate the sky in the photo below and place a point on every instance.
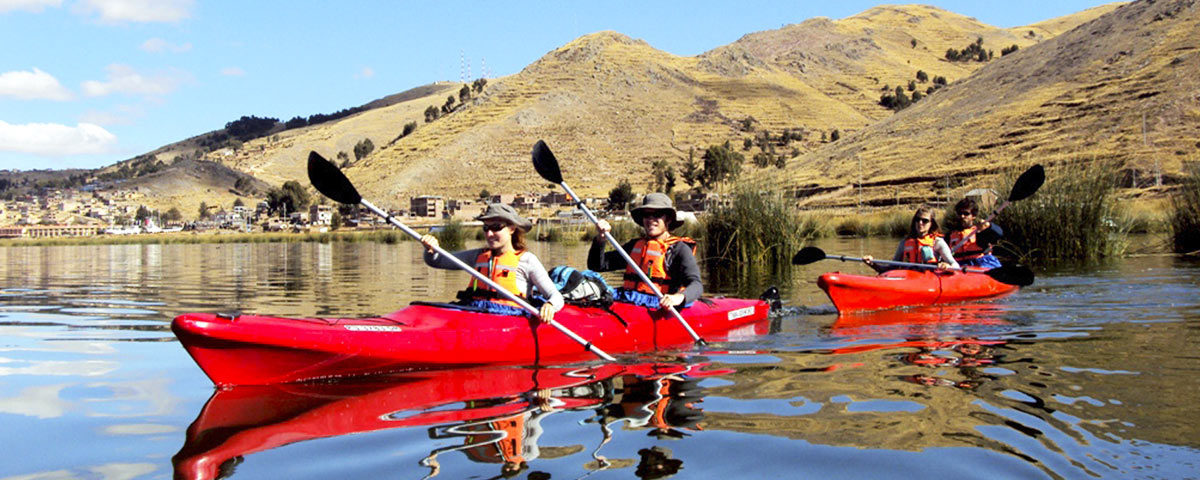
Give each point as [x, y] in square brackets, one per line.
[87, 83]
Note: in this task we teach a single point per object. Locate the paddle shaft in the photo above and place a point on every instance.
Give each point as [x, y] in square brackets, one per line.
[893, 263]
[641, 275]
[479, 276]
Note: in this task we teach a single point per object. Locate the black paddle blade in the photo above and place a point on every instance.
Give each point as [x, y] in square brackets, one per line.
[1018, 275]
[1028, 183]
[330, 180]
[808, 255]
[545, 163]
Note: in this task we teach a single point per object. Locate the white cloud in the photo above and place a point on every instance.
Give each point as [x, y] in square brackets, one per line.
[121, 115]
[32, 85]
[118, 11]
[366, 72]
[51, 139]
[32, 6]
[123, 79]
[158, 45]
[232, 71]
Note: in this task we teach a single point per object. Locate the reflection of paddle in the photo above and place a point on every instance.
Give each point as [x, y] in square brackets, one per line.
[1018, 275]
[547, 166]
[331, 182]
[1027, 184]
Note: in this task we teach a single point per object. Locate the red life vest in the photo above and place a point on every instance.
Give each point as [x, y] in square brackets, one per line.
[651, 258]
[967, 249]
[508, 449]
[502, 270]
[912, 248]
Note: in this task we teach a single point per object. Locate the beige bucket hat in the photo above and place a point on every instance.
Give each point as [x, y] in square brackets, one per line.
[506, 213]
[656, 201]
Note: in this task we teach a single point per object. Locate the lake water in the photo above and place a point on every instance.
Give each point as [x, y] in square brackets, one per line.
[1089, 373]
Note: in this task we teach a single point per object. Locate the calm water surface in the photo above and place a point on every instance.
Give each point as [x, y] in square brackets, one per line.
[1090, 373]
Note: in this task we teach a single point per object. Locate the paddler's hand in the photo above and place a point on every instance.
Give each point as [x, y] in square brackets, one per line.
[671, 300]
[430, 242]
[602, 228]
[943, 266]
[546, 313]
[869, 260]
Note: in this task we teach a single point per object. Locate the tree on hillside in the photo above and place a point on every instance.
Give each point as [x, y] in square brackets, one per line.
[691, 170]
[249, 127]
[1009, 49]
[431, 113]
[408, 129]
[296, 122]
[449, 105]
[762, 159]
[664, 176]
[478, 84]
[203, 211]
[485, 194]
[721, 163]
[464, 94]
[237, 202]
[620, 195]
[142, 213]
[292, 197]
[172, 215]
[834, 135]
[922, 76]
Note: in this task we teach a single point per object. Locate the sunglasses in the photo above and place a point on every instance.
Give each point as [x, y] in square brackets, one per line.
[656, 214]
[966, 214]
[494, 227]
[923, 220]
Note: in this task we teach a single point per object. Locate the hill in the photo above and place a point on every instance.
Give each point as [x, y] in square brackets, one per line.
[1119, 86]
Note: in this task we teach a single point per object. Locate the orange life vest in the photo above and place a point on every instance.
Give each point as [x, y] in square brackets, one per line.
[967, 249]
[502, 270]
[651, 257]
[912, 248]
[509, 449]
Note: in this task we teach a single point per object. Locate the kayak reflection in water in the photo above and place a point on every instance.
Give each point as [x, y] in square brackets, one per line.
[923, 244]
[971, 355]
[505, 261]
[972, 242]
[664, 403]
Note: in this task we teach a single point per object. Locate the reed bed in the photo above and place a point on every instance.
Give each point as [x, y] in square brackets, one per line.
[1075, 216]
[757, 228]
[383, 236]
[452, 235]
[890, 223]
[1185, 214]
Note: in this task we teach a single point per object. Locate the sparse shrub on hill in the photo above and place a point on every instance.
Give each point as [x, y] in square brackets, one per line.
[781, 161]
[478, 85]
[363, 148]
[762, 159]
[939, 80]
[922, 76]
[912, 85]
[432, 113]
[972, 52]
[747, 143]
[747, 124]
[1009, 49]
[408, 128]
[449, 105]
[464, 94]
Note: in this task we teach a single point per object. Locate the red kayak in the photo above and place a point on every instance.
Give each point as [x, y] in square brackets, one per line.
[260, 350]
[248, 419]
[908, 288]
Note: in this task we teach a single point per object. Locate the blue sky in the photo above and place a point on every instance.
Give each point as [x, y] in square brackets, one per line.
[86, 83]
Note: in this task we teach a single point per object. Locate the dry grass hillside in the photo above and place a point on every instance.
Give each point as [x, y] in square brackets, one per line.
[1120, 86]
[610, 105]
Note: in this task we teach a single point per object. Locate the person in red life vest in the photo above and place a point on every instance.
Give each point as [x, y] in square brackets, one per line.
[924, 244]
[669, 261]
[505, 261]
[972, 243]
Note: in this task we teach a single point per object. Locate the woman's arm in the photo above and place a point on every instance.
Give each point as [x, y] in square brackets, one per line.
[942, 252]
[536, 275]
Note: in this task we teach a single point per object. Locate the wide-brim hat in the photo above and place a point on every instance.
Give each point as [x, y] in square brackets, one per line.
[504, 212]
[656, 201]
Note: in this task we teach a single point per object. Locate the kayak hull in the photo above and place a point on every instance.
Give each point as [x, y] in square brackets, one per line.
[908, 288]
[263, 350]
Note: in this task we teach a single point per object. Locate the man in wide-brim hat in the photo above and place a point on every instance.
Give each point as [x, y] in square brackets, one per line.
[669, 261]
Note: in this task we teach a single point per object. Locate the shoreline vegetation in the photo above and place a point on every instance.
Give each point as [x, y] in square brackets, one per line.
[1075, 216]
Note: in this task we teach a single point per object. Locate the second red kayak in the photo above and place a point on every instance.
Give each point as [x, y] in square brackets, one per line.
[907, 288]
[261, 350]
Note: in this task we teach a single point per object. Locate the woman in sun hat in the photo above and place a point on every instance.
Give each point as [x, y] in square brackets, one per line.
[505, 261]
[669, 261]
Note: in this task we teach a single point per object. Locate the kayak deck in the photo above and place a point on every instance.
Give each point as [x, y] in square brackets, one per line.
[907, 288]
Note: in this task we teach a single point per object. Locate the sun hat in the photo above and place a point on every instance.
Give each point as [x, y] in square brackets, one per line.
[655, 201]
[506, 213]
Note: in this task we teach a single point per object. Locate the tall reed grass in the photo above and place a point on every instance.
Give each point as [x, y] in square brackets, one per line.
[1185, 214]
[451, 236]
[1075, 216]
[756, 228]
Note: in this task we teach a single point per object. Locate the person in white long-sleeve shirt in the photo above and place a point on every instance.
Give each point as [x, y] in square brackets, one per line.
[505, 261]
[924, 244]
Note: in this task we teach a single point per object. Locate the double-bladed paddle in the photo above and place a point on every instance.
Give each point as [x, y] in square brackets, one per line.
[1027, 184]
[331, 182]
[1018, 275]
[547, 166]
